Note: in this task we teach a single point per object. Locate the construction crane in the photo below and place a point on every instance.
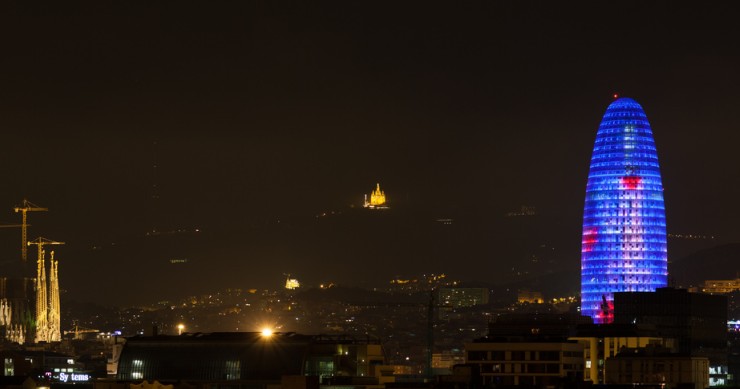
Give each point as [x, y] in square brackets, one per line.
[41, 242]
[23, 209]
[81, 330]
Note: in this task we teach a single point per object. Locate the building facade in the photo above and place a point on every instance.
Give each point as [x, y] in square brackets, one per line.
[721, 286]
[530, 362]
[667, 370]
[697, 321]
[624, 244]
[603, 342]
[529, 349]
[240, 356]
[47, 365]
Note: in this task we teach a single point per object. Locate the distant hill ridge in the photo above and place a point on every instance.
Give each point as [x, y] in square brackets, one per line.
[716, 263]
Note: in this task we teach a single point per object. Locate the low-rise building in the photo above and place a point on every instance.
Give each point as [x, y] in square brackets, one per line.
[655, 366]
[697, 321]
[43, 365]
[603, 341]
[531, 349]
[721, 286]
[530, 362]
[247, 356]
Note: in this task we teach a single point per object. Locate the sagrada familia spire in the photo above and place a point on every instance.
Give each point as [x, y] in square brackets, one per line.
[47, 294]
[29, 304]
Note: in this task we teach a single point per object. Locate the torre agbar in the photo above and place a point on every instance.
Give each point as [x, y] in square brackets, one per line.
[624, 231]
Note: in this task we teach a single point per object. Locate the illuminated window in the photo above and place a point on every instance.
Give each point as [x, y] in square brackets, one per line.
[233, 370]
[9, 367]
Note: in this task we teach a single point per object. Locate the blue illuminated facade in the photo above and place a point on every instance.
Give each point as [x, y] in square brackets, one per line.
[624, 231]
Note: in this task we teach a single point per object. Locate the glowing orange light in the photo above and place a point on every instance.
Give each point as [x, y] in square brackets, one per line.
[616, 95]
[266, 332]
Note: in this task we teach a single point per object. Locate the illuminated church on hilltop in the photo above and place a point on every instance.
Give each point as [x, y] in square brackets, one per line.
[624, 247]
[377, 199]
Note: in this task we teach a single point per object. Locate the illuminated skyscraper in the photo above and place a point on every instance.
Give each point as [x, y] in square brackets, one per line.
[624, 231]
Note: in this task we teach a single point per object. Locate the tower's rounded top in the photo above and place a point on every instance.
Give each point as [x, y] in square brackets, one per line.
[624, 108]
[624, 102]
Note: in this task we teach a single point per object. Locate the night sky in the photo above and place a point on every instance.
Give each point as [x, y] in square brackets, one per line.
[246, 120]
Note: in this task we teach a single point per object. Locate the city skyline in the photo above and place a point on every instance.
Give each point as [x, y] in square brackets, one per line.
[245, 122]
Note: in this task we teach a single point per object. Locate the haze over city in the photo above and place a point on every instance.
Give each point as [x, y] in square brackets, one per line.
[238, 140]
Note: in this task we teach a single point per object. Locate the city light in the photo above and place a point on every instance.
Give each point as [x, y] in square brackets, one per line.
[180, 328]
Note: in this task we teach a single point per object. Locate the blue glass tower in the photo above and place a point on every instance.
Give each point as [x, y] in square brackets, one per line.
[624, 231]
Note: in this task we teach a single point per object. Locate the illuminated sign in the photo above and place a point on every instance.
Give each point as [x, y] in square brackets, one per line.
[74, 377]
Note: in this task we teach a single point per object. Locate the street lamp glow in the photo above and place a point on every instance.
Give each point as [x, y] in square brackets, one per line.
[180, 328]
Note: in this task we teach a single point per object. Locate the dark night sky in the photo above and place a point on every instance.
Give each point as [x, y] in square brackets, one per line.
[265, 114]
